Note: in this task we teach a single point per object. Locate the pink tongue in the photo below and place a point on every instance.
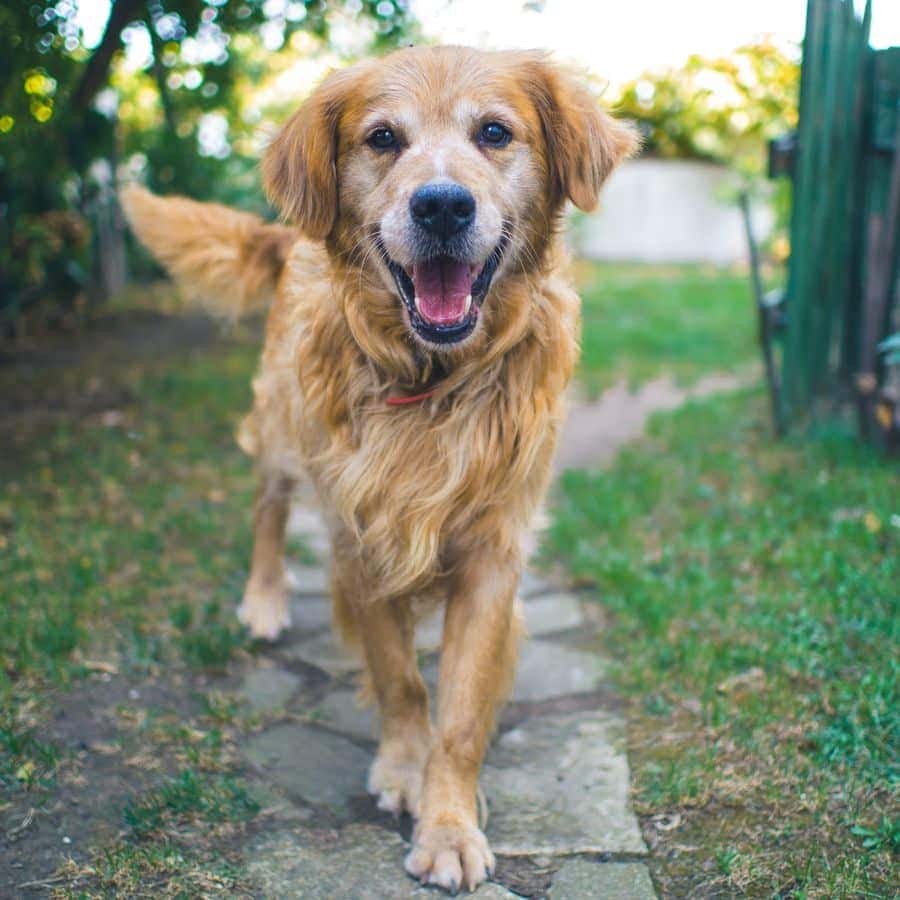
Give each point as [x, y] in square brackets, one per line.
[442, 285]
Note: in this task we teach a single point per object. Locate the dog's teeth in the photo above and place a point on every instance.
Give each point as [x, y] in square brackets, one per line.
[418, 304]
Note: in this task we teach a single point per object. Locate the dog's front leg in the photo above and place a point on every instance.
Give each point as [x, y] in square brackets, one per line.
[385, 629]
[477, 662]
[264, 609]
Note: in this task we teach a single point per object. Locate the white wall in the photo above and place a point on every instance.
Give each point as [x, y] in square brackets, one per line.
[661, 210]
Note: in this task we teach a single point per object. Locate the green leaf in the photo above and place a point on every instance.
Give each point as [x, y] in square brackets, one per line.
[890, 343]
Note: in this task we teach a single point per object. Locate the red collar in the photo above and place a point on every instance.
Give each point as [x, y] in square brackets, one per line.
[412, 398]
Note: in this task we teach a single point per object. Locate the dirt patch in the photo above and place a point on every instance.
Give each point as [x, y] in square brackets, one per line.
[99, 769]
[116, 336]
[596, 430]
[67, 377]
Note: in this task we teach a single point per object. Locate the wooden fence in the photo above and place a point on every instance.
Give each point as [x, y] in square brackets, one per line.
[844, 160]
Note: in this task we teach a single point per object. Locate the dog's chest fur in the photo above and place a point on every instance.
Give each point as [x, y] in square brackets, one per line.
[411, 484]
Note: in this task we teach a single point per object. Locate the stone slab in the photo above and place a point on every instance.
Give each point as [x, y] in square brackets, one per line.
[269, 689]
[319, 544]
[310, 763]
[552, 613]
[532, 584]
[429, 631]
[559, 785]
[545, 669]
[306, 581]
[361, 862]
[581, 879]
[322, 650]
[547, 613]
[273, 804]
[310, 613]
[548, 670]
[305, 519]
[307, 524]
[340, 711]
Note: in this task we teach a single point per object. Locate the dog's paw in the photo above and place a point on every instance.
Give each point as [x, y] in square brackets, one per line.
[263, 623]
[451, 855]
[264, 612]
[396, 777]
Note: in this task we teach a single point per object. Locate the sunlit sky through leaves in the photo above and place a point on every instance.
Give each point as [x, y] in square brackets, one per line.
[615, 39]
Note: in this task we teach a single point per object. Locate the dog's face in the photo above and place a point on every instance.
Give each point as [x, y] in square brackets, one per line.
[443, 170]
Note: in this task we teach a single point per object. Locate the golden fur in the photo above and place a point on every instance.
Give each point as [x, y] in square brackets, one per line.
[432, 498]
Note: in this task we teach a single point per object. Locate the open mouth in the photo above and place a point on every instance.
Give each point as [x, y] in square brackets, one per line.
[443, 295]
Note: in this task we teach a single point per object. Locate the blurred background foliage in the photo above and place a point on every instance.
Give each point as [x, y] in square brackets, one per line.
[184, 93]
[725, 110]
[174, 92]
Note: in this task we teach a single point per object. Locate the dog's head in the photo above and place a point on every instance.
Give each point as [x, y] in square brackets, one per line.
[443, 170]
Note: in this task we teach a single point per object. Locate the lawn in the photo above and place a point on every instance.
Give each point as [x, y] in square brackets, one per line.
[752, 594]
[641, 322]
[124, 494]
[752, 590]
[750, 587]
[124, 539]
[113, 513]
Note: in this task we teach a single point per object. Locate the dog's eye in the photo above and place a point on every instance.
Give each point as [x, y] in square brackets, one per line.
[383, 139]
[494, 135]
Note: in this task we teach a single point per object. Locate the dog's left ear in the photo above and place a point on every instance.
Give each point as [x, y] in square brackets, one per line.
[299, 168]
[584, 143]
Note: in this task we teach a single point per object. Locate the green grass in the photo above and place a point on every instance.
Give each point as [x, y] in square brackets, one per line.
[754, 592]
[188, 796]
[641, 322]
[168, 848]
[26, 761]
[132, 537]
[158, 869]
[751, 586]
[122, 540]
[121, 527]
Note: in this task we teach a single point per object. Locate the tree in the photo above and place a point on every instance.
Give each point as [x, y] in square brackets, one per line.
[720, 109]
[58, 115]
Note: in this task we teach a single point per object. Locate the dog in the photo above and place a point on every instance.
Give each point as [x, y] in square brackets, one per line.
[421, 334]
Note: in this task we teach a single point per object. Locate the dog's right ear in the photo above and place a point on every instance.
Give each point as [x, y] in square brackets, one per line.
[299, 168]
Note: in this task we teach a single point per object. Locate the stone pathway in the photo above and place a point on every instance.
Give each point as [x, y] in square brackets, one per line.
[556, 776]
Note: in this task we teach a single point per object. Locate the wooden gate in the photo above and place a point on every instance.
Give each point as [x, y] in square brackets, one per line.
[845, 240]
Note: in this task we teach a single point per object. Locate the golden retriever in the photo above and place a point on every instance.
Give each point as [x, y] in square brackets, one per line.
[419, 342]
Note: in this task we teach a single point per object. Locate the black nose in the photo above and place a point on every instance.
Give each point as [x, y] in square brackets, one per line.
[442, 209]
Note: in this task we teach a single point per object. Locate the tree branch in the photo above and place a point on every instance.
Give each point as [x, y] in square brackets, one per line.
[96, 72]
